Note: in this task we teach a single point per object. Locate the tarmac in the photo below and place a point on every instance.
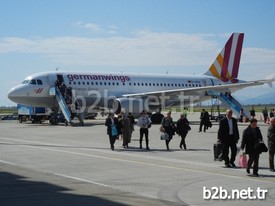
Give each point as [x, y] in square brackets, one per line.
[47, 165]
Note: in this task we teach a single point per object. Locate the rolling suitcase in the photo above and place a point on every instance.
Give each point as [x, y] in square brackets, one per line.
[217, 147]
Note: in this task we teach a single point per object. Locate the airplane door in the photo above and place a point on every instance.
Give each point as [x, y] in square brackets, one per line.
[60, 78]
[52, 78]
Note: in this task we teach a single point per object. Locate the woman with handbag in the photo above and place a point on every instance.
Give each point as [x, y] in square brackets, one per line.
[169, 128]
[182, 129]
[112, 129]
[252, 137]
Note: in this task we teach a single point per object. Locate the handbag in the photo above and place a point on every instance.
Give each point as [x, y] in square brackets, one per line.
[262, 147]
[243, 160]
[164, 136]
[114, 130]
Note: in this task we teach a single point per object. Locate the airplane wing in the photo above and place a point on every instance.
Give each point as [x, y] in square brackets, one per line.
[193, 91]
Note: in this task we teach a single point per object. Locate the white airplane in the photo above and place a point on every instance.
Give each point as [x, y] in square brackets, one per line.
[137, 92]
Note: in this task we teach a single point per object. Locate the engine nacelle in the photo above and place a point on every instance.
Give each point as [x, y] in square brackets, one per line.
[134, 105]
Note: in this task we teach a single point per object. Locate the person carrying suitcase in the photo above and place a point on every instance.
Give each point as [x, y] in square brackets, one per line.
[228, 136]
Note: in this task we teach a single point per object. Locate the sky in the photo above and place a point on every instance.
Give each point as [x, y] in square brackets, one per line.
[133, 36]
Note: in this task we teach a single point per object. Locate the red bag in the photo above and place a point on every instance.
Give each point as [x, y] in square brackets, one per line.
[243, 161]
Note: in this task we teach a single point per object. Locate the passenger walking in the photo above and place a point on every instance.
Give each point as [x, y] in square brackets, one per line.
[265, 114]
[169, 128]
[182, 129]
[271, 143]
[271, 113]
[241, 115]
[144, 122]
[63, 89]
[252, 113]
[252, 136]
[204, 120]
[132, 121]
[112, 129]
[126, 130]
[228, 136]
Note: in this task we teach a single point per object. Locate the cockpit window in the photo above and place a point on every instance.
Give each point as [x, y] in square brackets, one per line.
[39, 82]
[32, 81]
[26, 81]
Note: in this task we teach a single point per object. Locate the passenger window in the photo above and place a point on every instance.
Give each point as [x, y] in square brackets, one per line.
[105, 83]
[39, 82]
[117, 84]
[32, 81]
[78, 83]
[172, 85]
[138, 84]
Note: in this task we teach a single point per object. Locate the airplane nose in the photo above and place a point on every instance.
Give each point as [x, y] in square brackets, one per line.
[16, 94]
[12, 95]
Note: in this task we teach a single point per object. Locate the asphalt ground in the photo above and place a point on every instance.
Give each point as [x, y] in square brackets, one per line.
[41, 164]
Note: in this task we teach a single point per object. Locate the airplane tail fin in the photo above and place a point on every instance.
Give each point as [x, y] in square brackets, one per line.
[226, 65]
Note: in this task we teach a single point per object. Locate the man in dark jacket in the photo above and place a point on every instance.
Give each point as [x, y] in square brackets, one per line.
[182, 129]
[252, 137]
[228, 135]
[271, 143]
[204, 120]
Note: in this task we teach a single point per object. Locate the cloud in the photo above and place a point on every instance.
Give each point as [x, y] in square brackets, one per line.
[143, 48]
[88, 26]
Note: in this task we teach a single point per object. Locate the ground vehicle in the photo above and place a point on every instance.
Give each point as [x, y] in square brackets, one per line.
[33, 114]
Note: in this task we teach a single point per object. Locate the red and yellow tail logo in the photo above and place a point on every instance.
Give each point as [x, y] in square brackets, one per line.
[226, 65]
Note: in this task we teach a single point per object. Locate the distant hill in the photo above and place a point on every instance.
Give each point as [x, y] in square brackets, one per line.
[268, 98]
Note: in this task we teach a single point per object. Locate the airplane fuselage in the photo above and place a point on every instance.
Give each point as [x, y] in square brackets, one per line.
[100, 89]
